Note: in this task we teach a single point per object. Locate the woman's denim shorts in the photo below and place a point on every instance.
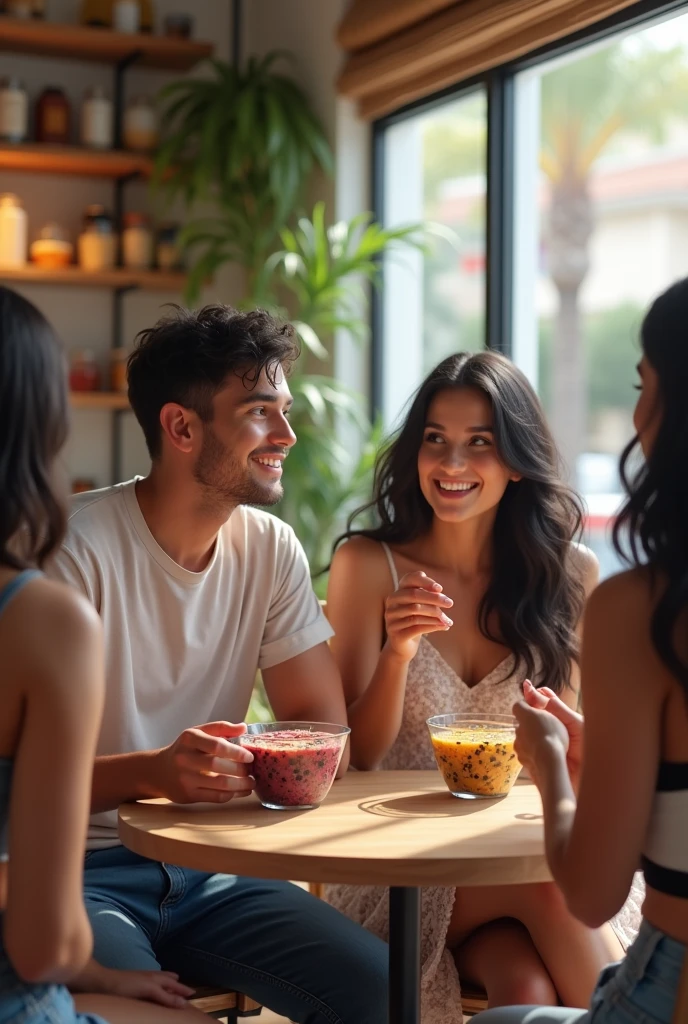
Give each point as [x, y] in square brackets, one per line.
[22, 1003]
[641, 989]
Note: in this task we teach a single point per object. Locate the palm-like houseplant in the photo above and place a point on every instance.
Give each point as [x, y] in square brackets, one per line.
[245, 141]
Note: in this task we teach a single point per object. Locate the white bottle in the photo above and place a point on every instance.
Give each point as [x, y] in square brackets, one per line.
[126, 16]
[97, 120]
[14, 234]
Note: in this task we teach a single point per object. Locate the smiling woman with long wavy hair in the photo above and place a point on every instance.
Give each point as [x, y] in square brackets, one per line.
[470, 581]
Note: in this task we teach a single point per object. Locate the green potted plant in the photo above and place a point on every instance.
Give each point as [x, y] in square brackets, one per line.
[246, 141]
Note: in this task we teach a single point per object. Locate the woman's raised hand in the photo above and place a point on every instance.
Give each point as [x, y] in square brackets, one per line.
[416, 607]
[545, 699]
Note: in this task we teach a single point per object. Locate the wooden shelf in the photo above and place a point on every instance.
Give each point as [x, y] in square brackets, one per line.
[90, 163]
[51, 39]
[112, 400]
[149, 280]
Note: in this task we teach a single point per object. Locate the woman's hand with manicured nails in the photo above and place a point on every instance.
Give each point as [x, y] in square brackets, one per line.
[540, 738]
[545, 699]
[416, 607]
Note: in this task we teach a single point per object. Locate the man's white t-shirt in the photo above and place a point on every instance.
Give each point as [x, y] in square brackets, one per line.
[182, 648]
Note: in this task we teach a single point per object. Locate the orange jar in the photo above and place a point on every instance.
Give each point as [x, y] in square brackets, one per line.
[118, 369]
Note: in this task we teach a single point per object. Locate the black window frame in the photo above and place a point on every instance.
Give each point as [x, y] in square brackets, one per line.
[499, 86]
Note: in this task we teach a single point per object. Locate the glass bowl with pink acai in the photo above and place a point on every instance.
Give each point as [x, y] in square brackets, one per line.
[294, 763]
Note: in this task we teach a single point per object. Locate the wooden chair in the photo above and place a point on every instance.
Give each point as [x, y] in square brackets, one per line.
[472, 1001]
[219, 1002]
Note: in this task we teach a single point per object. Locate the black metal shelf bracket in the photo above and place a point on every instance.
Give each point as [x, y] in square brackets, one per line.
[121, 66]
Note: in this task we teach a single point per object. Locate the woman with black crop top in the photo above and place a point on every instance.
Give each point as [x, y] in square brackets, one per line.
[624, 798]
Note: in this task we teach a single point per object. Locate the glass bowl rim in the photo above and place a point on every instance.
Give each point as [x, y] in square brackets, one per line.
[460, 718]
[331, 728]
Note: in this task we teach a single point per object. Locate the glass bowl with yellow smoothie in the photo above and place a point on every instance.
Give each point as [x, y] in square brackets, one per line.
[475, 754]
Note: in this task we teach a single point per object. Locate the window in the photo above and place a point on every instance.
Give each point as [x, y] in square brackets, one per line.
[602, 166]
[434, 302]
[597, 206]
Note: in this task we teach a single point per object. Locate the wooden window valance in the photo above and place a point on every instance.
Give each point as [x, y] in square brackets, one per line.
[402, 50]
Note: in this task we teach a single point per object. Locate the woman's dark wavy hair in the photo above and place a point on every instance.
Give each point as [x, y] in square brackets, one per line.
[33, 428]
[536, 595]
[652, 527]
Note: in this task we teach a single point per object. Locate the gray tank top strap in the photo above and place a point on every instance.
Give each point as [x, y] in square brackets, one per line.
[390, 562]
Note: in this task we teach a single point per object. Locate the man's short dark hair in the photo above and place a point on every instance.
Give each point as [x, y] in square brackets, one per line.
[188, 356]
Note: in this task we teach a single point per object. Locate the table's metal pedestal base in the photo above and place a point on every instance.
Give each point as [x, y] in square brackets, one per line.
[404, 955]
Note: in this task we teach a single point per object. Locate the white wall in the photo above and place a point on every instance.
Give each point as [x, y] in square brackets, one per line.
[307, 28]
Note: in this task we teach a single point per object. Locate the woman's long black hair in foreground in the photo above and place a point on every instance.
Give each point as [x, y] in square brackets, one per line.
[652, 527]
[33, 429]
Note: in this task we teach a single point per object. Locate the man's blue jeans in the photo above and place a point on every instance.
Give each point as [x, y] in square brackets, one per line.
[270, 940]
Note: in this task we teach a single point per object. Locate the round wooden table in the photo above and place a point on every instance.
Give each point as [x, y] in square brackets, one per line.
[399, 829]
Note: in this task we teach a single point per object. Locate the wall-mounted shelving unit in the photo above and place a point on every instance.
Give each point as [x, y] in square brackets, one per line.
[122, 51]
[114, 401]
[119, 278]
[99, 45]
[74, 161]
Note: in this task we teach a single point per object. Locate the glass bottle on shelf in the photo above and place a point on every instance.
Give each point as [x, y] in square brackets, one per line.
[97, 244]
[118, 369]
[140, 126]
[168, 253]
[97, 116]
[53, 114]
[97, 13]
[147, 9]
[80, 484]
[137, 241]
[178, 26]
[84, 374]
[126, 16]
[20, 9]
[14, 110]
[13, 232]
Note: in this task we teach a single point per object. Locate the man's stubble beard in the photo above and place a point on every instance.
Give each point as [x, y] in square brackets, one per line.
[226, 482]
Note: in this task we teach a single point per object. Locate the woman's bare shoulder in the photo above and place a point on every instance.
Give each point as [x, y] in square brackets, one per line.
[49, 623]
[360, 559]
[586, 563]
[628, 596]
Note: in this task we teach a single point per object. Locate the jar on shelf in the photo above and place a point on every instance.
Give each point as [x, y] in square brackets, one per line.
[178, 26]
[53, 114]
[14, 110]
[140, 125]
[97, 245]
[83, 483]
[97, 120]
[118, 369]
[84, 374]
[137, 241]
[52, 249]
[96, 13]
[147, 15]
[13, 231]
[126, 16]
[25, 9]
[168, 253]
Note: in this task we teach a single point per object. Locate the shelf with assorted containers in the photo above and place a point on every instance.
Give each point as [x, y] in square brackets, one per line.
[117, 251]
